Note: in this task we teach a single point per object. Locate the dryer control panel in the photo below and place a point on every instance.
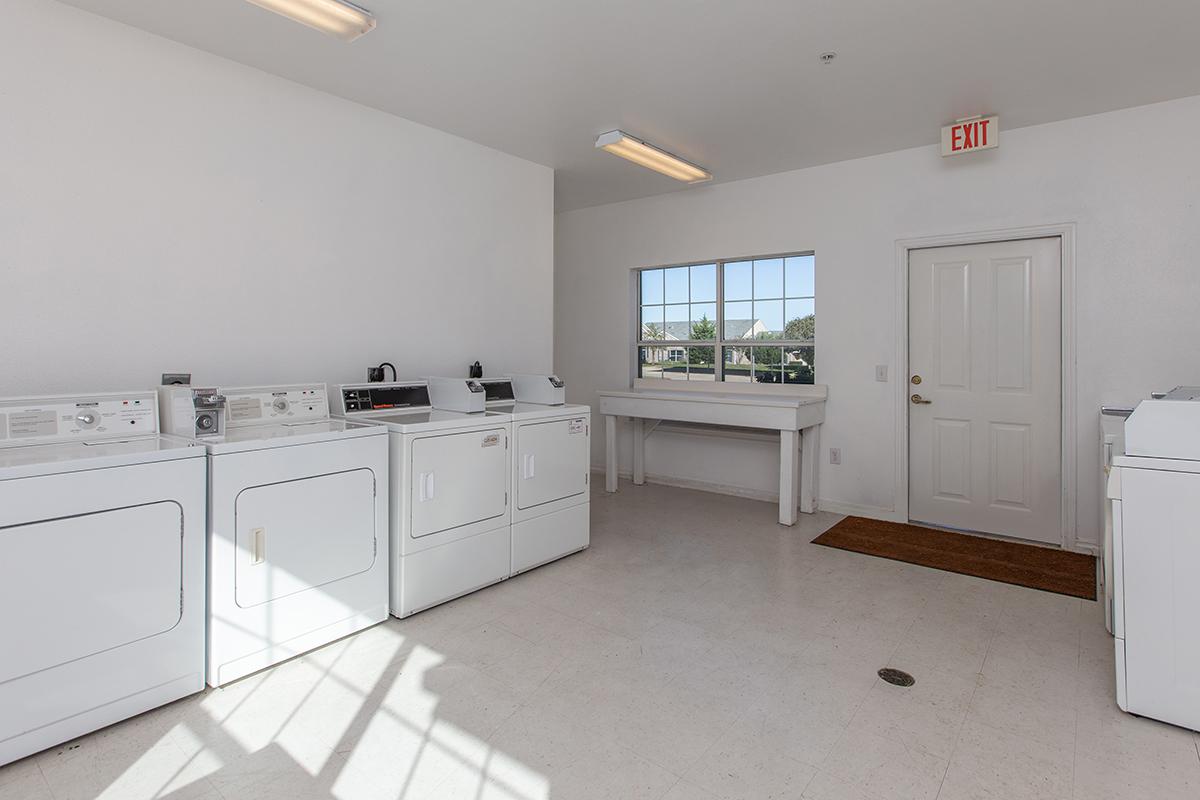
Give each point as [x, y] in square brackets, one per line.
[465, 395]
[381, 397]
[546, 390]
[498, 390]
[51, 420]
[266, 405]
[1166, 426]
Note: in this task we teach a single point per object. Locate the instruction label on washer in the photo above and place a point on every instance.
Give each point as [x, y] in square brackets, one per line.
[26, 424]
[575, 426]
[245, 408]
[491, 440]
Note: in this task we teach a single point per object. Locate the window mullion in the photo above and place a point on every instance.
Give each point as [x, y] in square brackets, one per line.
[718, 348]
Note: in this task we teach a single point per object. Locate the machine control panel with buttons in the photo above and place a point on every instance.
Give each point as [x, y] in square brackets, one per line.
[498, 389]
[48, 420]
[258, 405]
[464, 395]
[385, 397]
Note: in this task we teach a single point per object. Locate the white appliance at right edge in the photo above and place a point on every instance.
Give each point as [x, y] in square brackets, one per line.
[1155, 493]
[551, 467]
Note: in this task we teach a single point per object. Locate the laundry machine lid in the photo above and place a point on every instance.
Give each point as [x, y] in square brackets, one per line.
[524, 411]
[289, 434]
[1164, 464]
[435, 419]
[52, 459]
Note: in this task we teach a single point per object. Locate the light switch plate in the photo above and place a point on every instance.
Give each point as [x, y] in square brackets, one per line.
[881, 373]
[835, 455]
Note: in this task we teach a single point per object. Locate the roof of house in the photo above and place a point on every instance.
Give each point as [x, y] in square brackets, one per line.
[734, 329]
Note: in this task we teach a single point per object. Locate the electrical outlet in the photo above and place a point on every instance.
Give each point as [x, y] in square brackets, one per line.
[835, 455]
[881, 373]
[177, 379]
[374, 374]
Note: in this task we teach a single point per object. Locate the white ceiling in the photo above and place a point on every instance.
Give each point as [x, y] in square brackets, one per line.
[736, 87]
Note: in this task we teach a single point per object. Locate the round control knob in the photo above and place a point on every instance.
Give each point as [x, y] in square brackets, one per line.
[204, 422]
[280, 404]
[86, 419]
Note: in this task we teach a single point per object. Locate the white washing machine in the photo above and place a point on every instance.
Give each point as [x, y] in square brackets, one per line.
[551, 473]
[449, 484]
[1155, 492]
[101, 566]
[298, 510]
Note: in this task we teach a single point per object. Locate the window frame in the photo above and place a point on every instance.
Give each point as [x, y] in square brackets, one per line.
[719, 344]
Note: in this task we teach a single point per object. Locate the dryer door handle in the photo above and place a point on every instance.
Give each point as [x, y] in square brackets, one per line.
[258, 542]
[528, 466]
[426, 484]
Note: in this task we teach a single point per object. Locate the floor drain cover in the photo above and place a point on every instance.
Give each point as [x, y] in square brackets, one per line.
[897, 677]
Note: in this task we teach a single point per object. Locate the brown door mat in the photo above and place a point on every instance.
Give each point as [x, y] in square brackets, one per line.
[1057, 571]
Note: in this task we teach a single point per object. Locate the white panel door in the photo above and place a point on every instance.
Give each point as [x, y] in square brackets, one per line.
[984, 410]
[458, 479]
[298, 535]
[552, 461]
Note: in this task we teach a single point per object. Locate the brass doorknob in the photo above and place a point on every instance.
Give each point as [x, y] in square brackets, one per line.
[920, 401]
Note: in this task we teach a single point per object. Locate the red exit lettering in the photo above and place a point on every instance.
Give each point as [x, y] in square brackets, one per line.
[974, 134]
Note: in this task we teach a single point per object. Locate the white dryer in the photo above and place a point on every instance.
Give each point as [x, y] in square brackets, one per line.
[1155, 493]
[449, 485]
[298, 505]
[551, 470]
[101, 566]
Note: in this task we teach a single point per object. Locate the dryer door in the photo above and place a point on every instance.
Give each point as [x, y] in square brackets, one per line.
[552, 461]
[300, 534]
[458, 479]
[1159, 555]
[79, 585]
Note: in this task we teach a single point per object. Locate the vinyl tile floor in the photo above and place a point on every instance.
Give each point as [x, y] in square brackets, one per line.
[696, 650]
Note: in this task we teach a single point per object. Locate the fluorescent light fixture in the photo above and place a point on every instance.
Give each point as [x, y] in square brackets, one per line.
[647, 155]
[344, 20]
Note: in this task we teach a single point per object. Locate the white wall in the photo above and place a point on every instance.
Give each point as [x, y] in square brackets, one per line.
[1130, 180]
[162, 209]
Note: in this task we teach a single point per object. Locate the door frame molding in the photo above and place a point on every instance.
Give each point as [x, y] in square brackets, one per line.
[1065, 233]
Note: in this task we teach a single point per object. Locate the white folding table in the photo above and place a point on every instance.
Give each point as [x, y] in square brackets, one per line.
[797, 417]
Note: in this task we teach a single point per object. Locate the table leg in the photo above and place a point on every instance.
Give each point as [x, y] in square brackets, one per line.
[639, 451]
[789, 465]
[810, 447]
[610, 453]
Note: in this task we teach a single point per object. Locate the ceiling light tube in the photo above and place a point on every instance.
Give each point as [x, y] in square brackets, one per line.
[647, 155]
[344, 20]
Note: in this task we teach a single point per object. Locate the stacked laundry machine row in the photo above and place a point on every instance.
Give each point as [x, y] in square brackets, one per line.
[489, 478]
[156, 541]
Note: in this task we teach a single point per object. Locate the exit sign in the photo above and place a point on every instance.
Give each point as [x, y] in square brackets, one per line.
[969, 135]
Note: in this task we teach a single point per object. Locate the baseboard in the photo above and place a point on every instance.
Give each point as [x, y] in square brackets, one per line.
[832, 506]
[823, 504]
[855, 510]
[703, 486]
